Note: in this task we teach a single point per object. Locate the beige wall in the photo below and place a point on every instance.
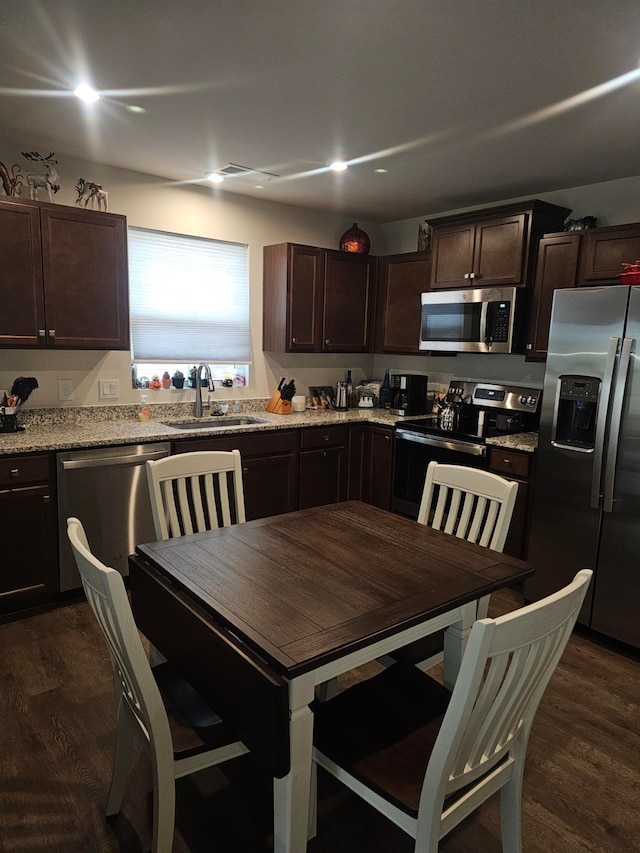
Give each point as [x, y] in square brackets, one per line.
[151, 202]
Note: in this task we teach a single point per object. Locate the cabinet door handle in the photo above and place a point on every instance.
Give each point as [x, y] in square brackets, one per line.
[472, 275]
[529, 346]
[326, 437]
[244, 470]
[466, 275]
[41, 333]
[387, 438]
[327, 342]
[46, 499]
[324, 452]
[52, 333]
[293, 340]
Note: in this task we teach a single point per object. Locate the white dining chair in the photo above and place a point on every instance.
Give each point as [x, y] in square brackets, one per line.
[181, 733]
[194, 492]
[427, 758]
[470, 504]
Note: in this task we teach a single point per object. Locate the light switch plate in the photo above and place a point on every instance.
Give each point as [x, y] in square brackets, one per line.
[109, 389]
[65, 389]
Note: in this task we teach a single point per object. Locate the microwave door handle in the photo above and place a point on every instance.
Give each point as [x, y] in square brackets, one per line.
[614, 429]
[601, 425]
[484, 311]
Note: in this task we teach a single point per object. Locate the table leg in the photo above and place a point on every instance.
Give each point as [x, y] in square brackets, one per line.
[455, 640]
[291, 794]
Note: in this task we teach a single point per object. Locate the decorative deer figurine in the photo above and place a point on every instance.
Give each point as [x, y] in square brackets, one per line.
[11, 180]
[94, 194]
[48, 180]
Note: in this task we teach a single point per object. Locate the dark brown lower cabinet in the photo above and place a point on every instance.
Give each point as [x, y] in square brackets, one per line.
[519, 466]
[28, 572]
[380, 459]
[324, 465]
[269, 468]
[371, 464]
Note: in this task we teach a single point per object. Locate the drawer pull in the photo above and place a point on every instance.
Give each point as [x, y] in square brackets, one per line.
[507, 461]
[326, 437]
[14, 472]
[46, 499]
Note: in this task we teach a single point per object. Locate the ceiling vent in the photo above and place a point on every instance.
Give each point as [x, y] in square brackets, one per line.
[233, 170]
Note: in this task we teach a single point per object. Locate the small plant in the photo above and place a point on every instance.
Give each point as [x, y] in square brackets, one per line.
[178, 379]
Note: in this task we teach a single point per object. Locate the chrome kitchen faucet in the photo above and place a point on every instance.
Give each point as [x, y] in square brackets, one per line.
[198, 412]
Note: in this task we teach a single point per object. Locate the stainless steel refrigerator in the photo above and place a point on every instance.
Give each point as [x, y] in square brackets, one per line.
[586, 509]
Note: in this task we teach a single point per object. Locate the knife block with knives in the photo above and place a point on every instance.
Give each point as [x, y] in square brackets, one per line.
[280, 402]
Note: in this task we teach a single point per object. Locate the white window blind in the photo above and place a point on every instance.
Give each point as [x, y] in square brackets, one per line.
[189, 298]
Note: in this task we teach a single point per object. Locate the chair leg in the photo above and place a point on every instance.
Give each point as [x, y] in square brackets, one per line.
[164, 801]
[511, 808]
[122, 755]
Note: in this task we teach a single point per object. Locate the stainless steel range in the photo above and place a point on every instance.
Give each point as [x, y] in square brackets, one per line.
[456, 434]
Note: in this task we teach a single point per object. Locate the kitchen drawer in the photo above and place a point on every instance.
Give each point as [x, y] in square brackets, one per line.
[317, 437]
[510, 462]
[254, 444]
[22, 470]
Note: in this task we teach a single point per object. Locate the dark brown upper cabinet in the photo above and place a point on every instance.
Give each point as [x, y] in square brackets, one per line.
[65, 277]
[556, 268]
[604, 250]
[317, 300]
[401, 281]
[491, 247]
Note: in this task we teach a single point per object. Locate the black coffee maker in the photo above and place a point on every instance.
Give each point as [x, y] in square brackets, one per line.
[409, 394]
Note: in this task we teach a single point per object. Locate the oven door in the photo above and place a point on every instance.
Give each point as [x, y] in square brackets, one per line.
[413, 452]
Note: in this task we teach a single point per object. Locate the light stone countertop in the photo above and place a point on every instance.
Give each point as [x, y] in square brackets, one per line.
[68, 429]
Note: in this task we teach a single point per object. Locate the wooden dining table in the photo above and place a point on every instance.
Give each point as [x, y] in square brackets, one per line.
[306, 596]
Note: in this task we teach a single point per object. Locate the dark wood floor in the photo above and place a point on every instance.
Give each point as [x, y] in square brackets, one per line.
[581, 792]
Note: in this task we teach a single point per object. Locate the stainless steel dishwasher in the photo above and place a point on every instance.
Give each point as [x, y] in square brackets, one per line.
[106, 489]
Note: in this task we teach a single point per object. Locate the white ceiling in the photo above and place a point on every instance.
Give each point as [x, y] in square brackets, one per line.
[465, 102]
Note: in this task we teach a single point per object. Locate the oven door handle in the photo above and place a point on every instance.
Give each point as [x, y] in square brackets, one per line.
[467, 447]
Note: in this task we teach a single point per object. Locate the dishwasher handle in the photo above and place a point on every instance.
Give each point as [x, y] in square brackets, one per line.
[113, 461]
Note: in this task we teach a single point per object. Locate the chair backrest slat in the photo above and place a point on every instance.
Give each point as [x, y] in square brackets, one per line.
[190, 492]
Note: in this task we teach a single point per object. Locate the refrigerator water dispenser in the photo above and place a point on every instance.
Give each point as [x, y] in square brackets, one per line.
[575, 424]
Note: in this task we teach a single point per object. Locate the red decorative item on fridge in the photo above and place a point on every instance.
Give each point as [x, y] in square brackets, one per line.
[355, 240]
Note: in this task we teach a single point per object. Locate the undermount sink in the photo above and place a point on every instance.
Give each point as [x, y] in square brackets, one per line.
[213, 423]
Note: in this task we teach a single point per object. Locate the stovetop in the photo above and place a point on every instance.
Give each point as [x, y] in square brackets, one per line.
[487, 410]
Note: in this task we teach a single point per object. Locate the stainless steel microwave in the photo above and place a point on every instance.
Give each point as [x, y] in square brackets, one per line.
[489, 319]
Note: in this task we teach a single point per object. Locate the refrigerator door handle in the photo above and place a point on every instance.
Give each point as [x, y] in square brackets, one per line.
[601, 426]
[614, 424]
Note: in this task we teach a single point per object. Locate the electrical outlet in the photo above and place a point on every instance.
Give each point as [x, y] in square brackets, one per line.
[65, 389]
[109, 389]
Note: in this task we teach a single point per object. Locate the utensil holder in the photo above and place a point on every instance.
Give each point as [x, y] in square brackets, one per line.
[277, 405]
[9, 423]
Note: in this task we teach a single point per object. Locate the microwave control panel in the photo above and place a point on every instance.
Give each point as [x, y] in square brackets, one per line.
[498, 319]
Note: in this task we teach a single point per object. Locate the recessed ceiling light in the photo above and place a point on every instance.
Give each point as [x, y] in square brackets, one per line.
[338, 166]
[381, 171]
[214, 177]
[134, 109]
[86, 93]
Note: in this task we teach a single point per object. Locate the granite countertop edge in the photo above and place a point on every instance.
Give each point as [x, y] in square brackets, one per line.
[97, 429]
